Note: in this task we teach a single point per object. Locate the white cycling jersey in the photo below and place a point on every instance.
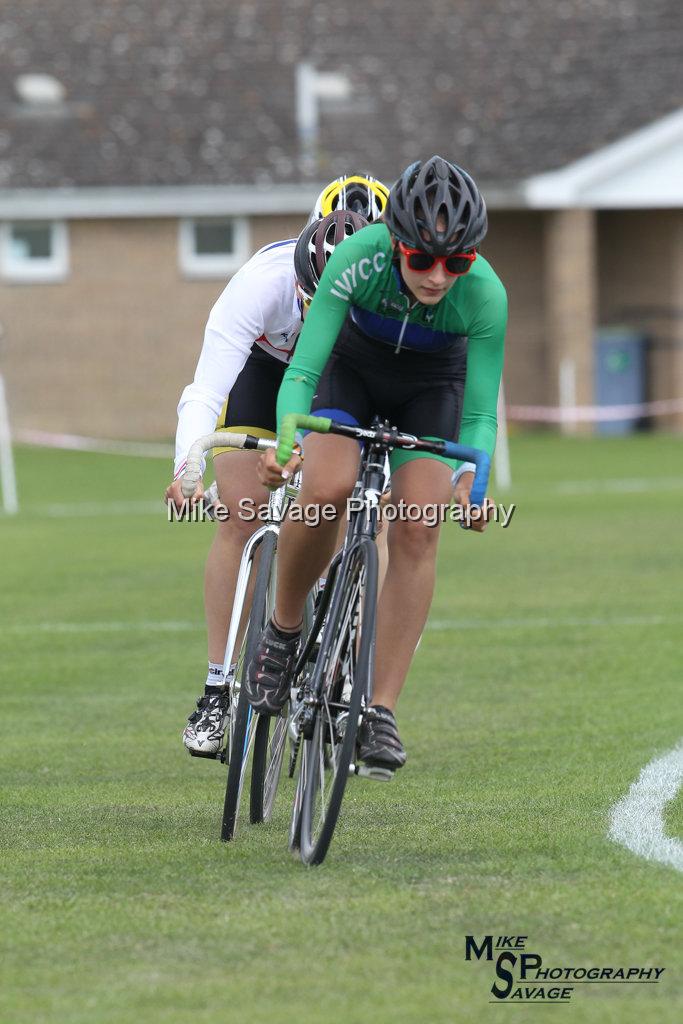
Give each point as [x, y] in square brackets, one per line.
[258, 306]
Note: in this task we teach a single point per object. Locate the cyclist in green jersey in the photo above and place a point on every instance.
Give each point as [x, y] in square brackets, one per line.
[408, 322]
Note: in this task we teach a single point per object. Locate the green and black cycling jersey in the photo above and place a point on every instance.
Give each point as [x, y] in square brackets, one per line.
[362, 280]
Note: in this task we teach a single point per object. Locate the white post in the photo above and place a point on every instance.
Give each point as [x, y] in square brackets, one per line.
[8, 480]
[567, 389]
[501, 461]
[306, 117]
[312, 87]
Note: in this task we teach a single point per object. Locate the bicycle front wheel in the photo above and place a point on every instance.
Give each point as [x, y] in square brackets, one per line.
[341, 682]
[246, 723]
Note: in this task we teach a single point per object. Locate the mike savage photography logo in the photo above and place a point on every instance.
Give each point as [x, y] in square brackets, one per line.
[312, 515]
[523, 976]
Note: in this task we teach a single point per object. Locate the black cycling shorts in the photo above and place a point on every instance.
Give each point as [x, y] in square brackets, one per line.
[421, 393]
[250, 406]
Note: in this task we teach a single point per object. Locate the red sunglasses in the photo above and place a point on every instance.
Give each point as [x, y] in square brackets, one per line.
[457, 264]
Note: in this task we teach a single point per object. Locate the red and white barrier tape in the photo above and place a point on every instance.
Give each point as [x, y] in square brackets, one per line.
[519, 413]
[592, 413]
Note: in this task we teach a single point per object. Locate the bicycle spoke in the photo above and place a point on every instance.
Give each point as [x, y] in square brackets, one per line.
[321, 777]
[248, 744]
[276, 747]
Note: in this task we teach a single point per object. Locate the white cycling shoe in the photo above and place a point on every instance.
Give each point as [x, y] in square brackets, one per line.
[205, 729]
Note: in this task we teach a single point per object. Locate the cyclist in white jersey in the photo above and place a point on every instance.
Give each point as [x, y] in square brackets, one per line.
[249, 339]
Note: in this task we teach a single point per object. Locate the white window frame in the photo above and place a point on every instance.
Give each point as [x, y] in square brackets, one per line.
[50, 269]
[194, 264]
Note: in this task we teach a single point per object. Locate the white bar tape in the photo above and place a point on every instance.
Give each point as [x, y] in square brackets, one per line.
[467, 467]
[195, 457]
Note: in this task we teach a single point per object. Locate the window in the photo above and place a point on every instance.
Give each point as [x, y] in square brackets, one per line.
[213, 247]
[34, 251]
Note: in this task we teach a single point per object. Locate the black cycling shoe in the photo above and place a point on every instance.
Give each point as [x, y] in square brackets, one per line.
[269, 673]
[379, 744]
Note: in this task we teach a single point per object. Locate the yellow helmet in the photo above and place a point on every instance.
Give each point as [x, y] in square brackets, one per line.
[358, 193]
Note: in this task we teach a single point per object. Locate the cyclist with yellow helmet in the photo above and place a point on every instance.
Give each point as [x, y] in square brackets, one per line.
[248, 343]
[359, 193]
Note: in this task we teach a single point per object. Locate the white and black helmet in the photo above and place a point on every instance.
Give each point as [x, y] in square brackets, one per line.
[431, 190]
[316, 244]
[360, 193]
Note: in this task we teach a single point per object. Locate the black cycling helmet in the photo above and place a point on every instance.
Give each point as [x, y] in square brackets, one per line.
[317, 243]
[431, 189]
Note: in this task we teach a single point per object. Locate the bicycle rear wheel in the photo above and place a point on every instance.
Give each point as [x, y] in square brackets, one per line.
[341, 681]
[246, 722]
[270, 745]
[266, 764]
[270, 742]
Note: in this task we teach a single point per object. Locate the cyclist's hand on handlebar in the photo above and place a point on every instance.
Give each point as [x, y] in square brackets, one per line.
[271, 473]
[174, 495]
[479, 516]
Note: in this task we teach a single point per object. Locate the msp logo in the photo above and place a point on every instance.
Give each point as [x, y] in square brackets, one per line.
[522, 977]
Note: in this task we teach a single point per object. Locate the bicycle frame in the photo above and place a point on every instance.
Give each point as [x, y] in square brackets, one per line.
[363, 525]
[278, 503]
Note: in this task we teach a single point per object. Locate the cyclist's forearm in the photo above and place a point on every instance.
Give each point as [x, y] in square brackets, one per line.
[296, 394]
[322, 325]
[479, 431]
[197, 413]
[301, 379]
[221, 361]
[479, 422]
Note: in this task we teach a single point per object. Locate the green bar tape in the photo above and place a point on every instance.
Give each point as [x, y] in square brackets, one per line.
[290, 425]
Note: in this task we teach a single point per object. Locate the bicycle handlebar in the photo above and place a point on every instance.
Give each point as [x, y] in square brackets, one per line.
[290, 425]
[481, 459]
[391, 437]
[219, 439]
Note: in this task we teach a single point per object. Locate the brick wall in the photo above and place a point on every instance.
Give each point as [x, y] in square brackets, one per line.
[514, 245]
[108, 351]
[641, 286]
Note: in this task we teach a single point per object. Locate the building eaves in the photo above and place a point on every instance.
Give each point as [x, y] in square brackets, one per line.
[157, 201]
[644, 169]
[188, 201]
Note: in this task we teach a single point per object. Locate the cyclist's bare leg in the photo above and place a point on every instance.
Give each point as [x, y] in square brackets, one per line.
[330, 470]
[382, 551]
[237, 479]
[407, 592]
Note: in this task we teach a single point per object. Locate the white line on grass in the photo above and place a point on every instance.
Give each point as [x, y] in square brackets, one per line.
[77, 510]
[101, 508]
[573, 488]
[549, 622]
[113, 626]
[437, 625]
[637, 821]
[634, 485]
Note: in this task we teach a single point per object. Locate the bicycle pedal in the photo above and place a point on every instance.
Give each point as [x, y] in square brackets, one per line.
[206, 756]
[372, 771]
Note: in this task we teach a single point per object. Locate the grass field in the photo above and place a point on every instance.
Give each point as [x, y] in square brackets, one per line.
[551, 677]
